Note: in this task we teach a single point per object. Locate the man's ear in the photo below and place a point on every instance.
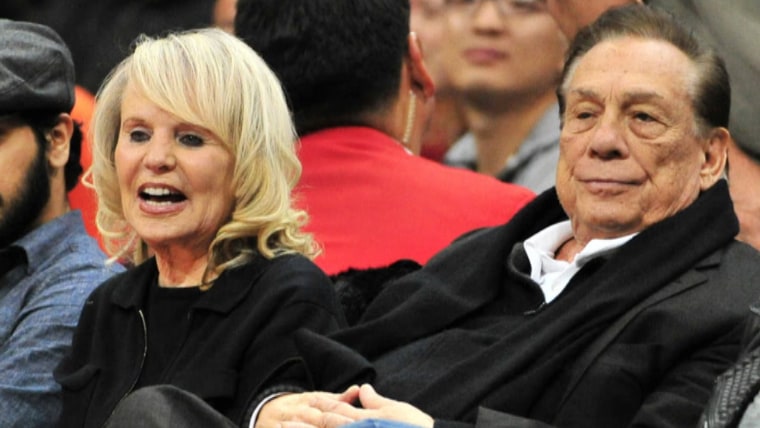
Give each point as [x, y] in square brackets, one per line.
[59, 140]
[422, 83]
[716, 155]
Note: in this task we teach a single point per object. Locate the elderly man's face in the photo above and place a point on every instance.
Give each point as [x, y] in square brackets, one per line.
[630, 154]
[572, 15]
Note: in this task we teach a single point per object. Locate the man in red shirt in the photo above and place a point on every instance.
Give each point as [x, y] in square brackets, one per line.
[361, 97]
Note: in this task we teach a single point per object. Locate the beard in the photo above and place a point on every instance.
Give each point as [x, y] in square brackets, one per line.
[19, 213]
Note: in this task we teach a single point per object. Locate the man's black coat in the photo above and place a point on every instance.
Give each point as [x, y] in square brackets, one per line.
[636, 338]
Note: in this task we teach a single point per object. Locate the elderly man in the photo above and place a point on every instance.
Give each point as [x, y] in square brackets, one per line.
[613, 301]
[733, 31]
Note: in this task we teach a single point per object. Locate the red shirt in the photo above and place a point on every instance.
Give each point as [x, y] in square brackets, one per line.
[371, 202]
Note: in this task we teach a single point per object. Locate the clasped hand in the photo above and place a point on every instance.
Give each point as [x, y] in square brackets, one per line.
[329, 410]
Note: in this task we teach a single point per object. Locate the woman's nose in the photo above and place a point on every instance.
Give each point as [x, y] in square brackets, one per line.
[159, 154]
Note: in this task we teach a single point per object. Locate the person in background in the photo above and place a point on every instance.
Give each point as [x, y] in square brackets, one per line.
[427, 19]
[99, 32]
[223, 15]
[360, 104]
[48, 263]
[194, 162]
[82, 197]
[613, 301]
[733, 32]
[573, 15]
[507, 90]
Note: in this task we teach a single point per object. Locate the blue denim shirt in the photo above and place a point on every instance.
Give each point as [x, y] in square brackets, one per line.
[40, 302]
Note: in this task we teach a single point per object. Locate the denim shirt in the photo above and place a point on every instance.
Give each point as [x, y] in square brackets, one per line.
[40, 301]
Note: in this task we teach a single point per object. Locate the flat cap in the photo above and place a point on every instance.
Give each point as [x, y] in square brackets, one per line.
[36, 69]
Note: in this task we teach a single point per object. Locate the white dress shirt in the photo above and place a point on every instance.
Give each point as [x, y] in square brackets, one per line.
[553, 275]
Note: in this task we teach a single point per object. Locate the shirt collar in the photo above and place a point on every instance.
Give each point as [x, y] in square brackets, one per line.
[359, 137]
[546, 242]
[43, 242]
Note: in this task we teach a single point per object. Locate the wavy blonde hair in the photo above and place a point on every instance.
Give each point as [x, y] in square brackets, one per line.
[211, 79]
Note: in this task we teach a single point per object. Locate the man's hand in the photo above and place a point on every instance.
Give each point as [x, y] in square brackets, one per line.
[301, 410]
[378, 407]
[328, 412]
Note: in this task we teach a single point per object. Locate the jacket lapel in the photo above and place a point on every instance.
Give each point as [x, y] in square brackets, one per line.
[689, 279]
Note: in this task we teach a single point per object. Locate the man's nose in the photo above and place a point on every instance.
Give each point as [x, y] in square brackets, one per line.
[489, 14]
[608, 140]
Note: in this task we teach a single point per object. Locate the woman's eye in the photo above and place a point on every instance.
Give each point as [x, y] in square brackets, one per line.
[584, 115]
[139, 136]
[191, 140]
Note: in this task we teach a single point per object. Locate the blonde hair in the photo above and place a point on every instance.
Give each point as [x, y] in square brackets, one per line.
[211, 79]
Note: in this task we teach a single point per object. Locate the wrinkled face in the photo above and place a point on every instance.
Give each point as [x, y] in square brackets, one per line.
[175, 178]
[509, 46]
[572, 15]
[630, 155]
[24, 182]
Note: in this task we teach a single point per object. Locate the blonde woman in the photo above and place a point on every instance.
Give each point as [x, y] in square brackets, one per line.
[194, 161]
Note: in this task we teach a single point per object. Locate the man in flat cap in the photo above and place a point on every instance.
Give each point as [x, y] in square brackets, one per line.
[48, 263]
